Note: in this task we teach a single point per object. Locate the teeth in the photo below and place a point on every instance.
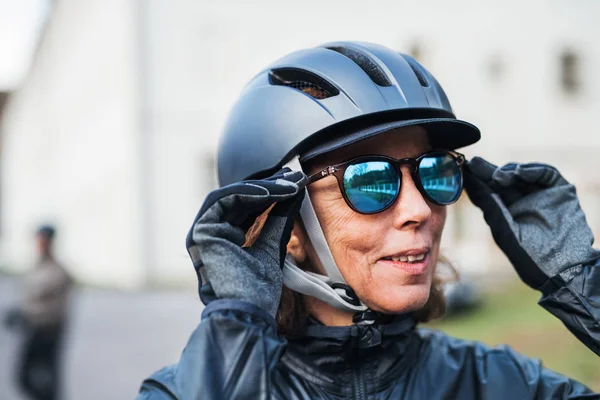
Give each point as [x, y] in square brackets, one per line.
[418, 257]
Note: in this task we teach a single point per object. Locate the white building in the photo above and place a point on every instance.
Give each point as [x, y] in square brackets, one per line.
[113, 134]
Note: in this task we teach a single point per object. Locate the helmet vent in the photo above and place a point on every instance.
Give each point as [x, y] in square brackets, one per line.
[417, 70]
[366, 63]
[305, 81]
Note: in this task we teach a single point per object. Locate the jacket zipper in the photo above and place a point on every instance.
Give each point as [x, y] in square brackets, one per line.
[359, 383]
[359, 367]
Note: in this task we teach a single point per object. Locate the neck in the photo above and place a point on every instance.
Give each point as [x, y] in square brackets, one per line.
[327, 314]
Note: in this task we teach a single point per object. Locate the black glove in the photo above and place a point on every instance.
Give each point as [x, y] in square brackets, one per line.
[224, 268]
[535, 218]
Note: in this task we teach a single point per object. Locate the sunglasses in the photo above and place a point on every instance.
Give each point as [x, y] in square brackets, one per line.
[371, 184]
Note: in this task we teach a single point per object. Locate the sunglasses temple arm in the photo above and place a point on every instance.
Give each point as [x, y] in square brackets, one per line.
[321, 174]
[314, 177]
[460, 158]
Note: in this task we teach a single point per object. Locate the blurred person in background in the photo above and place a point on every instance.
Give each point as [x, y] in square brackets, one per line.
[316, 276]
[42, 319]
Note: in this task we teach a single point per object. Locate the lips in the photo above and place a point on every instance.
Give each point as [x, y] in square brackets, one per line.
[414, 258]
[412, 255]
[413, 261]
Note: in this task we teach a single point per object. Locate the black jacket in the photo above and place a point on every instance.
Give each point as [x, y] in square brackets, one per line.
[235, 353]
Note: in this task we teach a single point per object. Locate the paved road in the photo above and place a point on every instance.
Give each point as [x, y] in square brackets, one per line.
[115, 340]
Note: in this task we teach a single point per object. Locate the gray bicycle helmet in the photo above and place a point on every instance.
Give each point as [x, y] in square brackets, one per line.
[317, 100]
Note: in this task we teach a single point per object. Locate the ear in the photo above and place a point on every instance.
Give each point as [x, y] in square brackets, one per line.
[295, 246]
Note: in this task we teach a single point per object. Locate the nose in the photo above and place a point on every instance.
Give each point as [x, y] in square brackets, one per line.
[411, 210]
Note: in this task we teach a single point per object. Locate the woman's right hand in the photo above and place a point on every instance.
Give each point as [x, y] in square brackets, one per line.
[214, 242]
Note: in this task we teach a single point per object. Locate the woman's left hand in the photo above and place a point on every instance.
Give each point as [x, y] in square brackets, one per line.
[535, 218]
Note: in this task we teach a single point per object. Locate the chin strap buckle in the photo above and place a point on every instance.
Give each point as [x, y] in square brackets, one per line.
[367, 317]
[350, 294]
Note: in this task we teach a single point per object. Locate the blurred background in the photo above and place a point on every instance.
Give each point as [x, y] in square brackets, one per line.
[110, 113]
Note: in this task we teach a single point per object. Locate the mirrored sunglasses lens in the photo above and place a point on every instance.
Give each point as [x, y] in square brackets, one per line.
[441, 178]
[371, 186]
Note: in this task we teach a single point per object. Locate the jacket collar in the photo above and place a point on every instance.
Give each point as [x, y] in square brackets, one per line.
[360, 336]
[328, 355]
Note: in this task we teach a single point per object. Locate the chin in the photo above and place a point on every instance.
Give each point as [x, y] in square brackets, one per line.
[399, 300]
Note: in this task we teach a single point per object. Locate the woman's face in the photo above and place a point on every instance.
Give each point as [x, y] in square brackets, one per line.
[371, 251]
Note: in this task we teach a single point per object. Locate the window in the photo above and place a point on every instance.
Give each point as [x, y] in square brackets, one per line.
[3, 97]
[209, 170]
[416, 51]
[570, 72]
[496, 67]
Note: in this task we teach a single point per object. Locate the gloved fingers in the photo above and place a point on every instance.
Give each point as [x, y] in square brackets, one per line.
[283, 182]
[509, 186]
[285, 177]
[284, 185]
[277, 229]
[526, 177]
[483, 172]
[228, 212]
[289, 208]
[482, 169]
[513, 181]
[541, 175]
[479, 184]
[495, 212]
[476, 186]
[499, 179]
[243, 201]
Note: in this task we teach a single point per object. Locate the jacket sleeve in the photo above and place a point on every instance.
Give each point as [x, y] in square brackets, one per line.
[511, 372]
[231, 354]
[464, 369]
[574, 298]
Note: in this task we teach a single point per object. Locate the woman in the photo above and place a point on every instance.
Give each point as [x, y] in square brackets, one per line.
[351, 226]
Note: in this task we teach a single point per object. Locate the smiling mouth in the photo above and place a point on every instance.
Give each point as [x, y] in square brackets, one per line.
[410, 256]
[410, 259]
[412, 262]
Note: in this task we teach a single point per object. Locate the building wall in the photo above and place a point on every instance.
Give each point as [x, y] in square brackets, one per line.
[182, 131]
[69, 146]
[150, 83]
[500, 68]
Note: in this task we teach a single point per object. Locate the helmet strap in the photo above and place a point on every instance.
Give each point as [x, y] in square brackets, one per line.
[318, 286]
[332, 288]
[315, 232]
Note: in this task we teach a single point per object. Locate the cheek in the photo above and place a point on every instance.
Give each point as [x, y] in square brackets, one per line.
[434, 229]
[353, 242]
[346, 232]
[437, 222]
[343, 228]
[353, 239]
[356, 241]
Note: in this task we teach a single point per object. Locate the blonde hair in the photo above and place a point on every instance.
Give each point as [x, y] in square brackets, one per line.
[292, 315]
